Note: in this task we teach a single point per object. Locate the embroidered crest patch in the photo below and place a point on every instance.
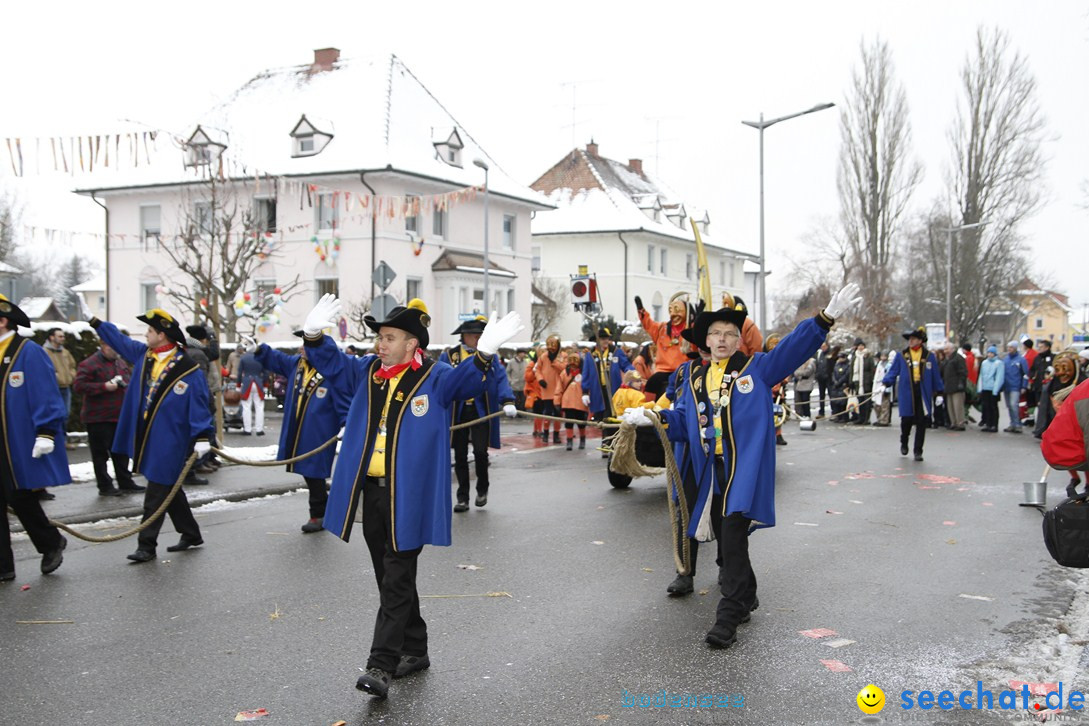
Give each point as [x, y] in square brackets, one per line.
[181, 387]
[928, 365]
[16, 379]
[698, 383]
[419, 405]
[321, 392]
[744, 384]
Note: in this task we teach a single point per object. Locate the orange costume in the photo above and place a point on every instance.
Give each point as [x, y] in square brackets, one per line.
[752, 341]
[640, 364]
[667, 338]
[548, 369]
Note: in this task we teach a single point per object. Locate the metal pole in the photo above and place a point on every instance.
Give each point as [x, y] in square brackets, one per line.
[763, 301]
[487, 299]
[949, 285]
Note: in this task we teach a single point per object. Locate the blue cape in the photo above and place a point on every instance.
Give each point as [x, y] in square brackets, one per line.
[32, 406]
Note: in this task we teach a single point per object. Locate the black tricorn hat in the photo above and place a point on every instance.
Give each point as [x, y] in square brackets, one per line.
[735, 315]
[197, 332]
[13, 313]
[165, 323]
[411, 318]
[687, 335]
[473, 327]
[602, 332]
[919, 332]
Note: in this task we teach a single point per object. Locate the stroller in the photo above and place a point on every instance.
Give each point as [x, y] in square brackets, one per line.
[232, 407]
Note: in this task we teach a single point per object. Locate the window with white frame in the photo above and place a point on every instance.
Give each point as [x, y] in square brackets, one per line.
[150, 224]
[650, 258]
[1039, 323]
[264, 214]
[508, 231]
[413, 288]
[439, 223]
[149, 297]
[327, 286]
[326, 212]
[304, 145]
[664, 262]
[478, 300]
[202, 218]
[535, 263]
[722, 272]
[510, 300]
[412, 223]
[689, 265]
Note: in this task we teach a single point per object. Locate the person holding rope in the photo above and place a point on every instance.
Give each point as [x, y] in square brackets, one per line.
[165, 415]
[603, 369]
[314, 411]
[726, 422]
[497, 393]
[547, 369]
[33, 415]
[395, 458]
[569, 399]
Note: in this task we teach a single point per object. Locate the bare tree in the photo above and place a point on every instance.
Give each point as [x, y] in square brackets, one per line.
[553, 294]
[996, 176]
[220, 245]
[9, 218]
[875, 180]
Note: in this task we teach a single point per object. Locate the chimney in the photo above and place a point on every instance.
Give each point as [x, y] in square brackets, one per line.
[591, 148]
[636, 165]
[324, 58]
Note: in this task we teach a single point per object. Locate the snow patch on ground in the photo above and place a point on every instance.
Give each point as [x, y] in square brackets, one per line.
[86, 472]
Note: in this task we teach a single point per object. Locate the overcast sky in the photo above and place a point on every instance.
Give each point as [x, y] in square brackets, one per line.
[665, 82]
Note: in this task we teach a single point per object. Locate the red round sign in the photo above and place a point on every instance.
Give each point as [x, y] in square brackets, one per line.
[578, 289]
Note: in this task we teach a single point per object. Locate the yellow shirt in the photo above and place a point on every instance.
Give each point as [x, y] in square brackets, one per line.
[308, 375]
[715, 373]
[916, 363]
[625, 398]
[5, 343]
[159, 363]
[377, 465]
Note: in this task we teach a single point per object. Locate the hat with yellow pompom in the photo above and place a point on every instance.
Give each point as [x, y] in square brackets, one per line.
[472, 326]
[165, 323]
[16, 317]
[411, 318]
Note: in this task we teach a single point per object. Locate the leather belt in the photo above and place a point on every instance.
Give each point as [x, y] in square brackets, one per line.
[379, 481]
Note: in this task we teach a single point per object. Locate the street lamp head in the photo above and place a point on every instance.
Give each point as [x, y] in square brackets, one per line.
[481, 163]
[821, 107]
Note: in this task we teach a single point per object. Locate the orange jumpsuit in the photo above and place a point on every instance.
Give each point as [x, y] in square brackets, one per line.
[548, 378]
[667, 339]
[752, 340]
[533, 394]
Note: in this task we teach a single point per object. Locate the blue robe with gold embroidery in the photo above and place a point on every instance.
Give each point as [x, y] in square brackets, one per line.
[31, 406]
[496, 394]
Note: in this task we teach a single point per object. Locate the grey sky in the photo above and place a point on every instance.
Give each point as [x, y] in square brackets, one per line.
[686, 73]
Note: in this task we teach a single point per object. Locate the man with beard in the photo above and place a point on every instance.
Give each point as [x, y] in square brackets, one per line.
[916, 369]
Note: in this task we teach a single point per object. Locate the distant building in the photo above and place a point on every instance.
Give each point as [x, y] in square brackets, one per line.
[41, 309]
[1043, 314]
[632, 231]
[300, 149]
[91, 296]
[9, 281]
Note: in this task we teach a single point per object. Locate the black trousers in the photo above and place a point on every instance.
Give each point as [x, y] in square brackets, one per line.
[181, 516]
[690, 492]
[822, 392]
[99, 439]
[319, 496]
[919, 420]
[738, 579]
[801, 402]
[989, 405]
[520, 400]
[548, 408]
[398, 628]
[460, 439]
[575, 413]
[28, 509]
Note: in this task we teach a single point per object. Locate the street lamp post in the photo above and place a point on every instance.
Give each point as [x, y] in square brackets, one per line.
[487, 300]
[949, 274]
[760, 126]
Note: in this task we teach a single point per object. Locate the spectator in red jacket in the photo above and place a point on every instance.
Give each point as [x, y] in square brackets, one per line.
[101, 380]
[970, 362]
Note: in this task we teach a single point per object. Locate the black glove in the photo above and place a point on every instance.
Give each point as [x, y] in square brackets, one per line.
[544, 384]
[638, 303]
[700, 306]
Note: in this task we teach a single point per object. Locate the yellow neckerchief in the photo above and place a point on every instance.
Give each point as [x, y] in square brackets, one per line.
[160, 361]
[377, 465]
[916, 360]
[716, 372]
[309, 372]
[466, 353]
[5, 342]
[603, 365]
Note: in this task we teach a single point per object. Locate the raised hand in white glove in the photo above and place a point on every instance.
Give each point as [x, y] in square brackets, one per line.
[324, 315]
[843, 300]
[42, 447]
[498, 332]
[586, 400]
[510, 410]
[939, 400]
[201, 448]
[636, 417]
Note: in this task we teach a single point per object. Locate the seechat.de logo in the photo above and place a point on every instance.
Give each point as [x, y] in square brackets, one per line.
[870, 699]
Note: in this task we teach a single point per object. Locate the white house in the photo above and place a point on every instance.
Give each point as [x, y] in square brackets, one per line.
[340, 164]
[92, 297]
[631, 231]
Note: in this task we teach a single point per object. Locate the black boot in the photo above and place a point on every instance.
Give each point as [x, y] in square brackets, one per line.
[555, 437]
[582, 442]
[570, 443]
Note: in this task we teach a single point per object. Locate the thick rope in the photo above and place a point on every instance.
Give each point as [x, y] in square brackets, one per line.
[277, 462]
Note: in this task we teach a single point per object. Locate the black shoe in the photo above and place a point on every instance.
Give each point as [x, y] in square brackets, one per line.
[582, 443]
[111, 492]
[409, 664]
[260, 433]
[44, 495]
[131, 488]
[903, 449]
[570, 444]
[918, 457]
[205, 469]
[461, 507]
[52, 560]
[195, 481]
[682, 585]
[1015, 431]
[7, 576]
[247, 433]
[375, 682]
[555, 437]
[481, 500]
[184, 544]
[142, 556]
[314, 524]
[721, 637]
[779, 440]
[755, 606]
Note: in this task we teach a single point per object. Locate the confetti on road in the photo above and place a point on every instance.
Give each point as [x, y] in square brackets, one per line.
[975, 597]
[24, 588]
[469, 567]
[987, 504]
[45, 622]
[950, 541]
[838, 642]
[806, 524]
[1036, 689]
[835, 666]
[833, 482]
[275, 614]
[251, 715]
[648, 569]
[831, 511]
[597, 542]
[949, 523]
[818, 633]
[939, 479]
[854, 501]
[925, 486]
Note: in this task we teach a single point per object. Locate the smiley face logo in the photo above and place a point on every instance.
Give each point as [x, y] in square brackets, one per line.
[870, 699]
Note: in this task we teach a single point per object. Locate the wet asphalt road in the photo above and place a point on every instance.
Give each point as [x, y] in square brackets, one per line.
[875, 547]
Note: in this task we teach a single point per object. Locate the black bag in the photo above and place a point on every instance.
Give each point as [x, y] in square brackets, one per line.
[1066, 531]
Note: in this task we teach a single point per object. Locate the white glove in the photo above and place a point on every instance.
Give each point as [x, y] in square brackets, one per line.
[249, 345]
[201, 448]
[939, 400]
[586, 400]
[324, 315]
[636, 417]
[42, 447]
[498, 332]
[843, 300]
[510, 410]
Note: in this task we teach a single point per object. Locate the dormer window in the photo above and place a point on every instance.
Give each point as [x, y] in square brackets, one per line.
[705, 223]
[308, 138]
[677, 215]
[650, 205]
[449, 146]
[202, 149]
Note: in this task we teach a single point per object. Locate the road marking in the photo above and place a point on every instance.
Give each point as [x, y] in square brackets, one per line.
[836, 666]
[838, 642]
[975, 597]
[818, 633]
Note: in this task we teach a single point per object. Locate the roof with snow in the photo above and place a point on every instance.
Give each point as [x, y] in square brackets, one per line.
[1028, 288]
[42, 308]
[596, 194]
[6, 269]
[467, 262]
[376, 113]
[95, 284]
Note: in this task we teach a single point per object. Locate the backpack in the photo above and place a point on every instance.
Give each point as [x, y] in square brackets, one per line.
[1066, 531]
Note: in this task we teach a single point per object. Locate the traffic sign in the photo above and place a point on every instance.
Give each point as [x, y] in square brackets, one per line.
[462, 317]
[383, 275]
[382, 305]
